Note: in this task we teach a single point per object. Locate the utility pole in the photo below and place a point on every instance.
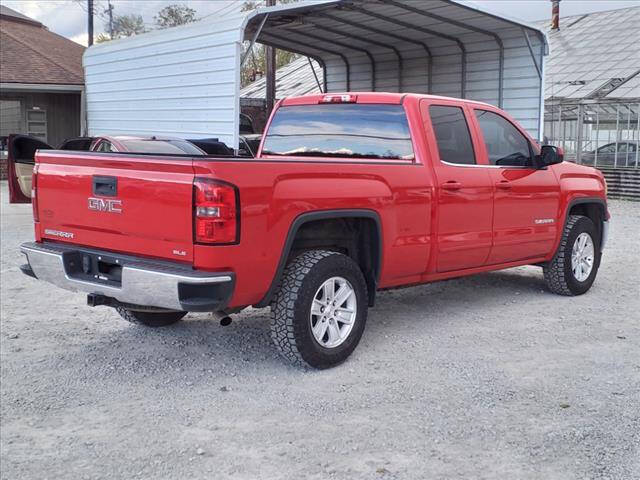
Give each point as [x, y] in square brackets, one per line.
[90, 21]
[109, 11]
[555, 14]
[270, 53]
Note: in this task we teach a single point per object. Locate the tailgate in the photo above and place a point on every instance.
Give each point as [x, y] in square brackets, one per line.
[125, 203]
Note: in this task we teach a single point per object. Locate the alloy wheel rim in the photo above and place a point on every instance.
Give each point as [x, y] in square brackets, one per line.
[333, 312]
[582, 256]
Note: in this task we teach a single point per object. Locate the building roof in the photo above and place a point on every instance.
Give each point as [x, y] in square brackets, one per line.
[591, 56]
[6, 11]
[595, 56]
[32, 54]
[292, 80]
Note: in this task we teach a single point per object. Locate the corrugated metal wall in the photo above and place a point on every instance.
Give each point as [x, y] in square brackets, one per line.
[179, 82]
[521, 82]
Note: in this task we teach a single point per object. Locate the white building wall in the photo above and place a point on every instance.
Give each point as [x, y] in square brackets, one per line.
[180, 82]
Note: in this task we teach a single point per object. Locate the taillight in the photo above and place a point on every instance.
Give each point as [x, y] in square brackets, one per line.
[34, 193]
[216, 216]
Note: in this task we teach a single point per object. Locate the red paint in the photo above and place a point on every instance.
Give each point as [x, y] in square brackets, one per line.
[438, 220]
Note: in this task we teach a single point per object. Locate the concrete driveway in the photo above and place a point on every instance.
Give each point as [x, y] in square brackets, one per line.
[484, 377]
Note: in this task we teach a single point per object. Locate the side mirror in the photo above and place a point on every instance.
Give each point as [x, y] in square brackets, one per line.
[550, 155]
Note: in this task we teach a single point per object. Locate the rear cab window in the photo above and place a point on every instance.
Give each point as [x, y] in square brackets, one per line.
[361, 131]
[452, 135]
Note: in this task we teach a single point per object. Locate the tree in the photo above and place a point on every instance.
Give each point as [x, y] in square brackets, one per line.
[174, 15]
[127, 25]
[103, 37]
[255, 66]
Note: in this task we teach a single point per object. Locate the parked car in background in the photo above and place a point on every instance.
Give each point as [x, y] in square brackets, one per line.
[348, 194]
[620, 154]
[135, 144]
[24, 147]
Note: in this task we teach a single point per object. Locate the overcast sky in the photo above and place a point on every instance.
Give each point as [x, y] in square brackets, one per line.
[69, 17]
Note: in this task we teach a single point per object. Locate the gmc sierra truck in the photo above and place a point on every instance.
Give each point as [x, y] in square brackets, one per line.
[348, 194]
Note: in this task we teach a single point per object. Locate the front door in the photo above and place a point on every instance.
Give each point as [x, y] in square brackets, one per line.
[464, 190]
[526, 198]
[21, 151]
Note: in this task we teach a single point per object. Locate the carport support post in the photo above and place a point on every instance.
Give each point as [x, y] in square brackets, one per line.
[270, 53]
[579, 128]
[637, 144]
[615, 155]
[83, 113]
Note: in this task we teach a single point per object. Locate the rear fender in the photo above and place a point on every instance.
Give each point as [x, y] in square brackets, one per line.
[326, 215]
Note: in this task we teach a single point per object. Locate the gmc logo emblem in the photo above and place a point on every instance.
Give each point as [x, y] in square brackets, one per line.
[105, 205]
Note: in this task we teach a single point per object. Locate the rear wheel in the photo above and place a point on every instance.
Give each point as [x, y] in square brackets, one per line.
[150, 318]
[319, 314]
[575, 265]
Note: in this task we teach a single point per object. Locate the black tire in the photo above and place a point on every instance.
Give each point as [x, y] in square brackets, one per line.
[291, 308]
[150, 319]
[558, 273]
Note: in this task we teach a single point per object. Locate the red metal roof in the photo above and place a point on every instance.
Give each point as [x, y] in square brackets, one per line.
[32, 54]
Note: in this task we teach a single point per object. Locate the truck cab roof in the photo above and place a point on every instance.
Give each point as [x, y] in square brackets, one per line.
[391, 98]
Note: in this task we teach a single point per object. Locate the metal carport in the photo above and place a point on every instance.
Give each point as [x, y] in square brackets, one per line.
[442, 47]
[185, 81]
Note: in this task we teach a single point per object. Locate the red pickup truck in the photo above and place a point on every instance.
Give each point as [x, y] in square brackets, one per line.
[348, 194]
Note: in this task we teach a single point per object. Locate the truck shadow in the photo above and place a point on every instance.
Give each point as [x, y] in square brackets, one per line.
[201, 344]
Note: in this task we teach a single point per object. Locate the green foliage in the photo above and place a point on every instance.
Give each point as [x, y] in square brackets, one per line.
[174, 15]
[255, 66]
[127, 25]
[103, 37]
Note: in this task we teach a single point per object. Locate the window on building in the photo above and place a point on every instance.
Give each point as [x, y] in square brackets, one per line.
[11, 120]
[37, 123]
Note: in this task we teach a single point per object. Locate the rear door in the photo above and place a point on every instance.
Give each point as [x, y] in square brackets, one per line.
[464, 190]
[21, 150]
[526, 199]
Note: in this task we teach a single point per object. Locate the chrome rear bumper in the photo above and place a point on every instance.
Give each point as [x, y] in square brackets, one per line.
[141, 282]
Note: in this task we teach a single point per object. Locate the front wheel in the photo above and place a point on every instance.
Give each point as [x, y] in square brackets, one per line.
[319, 314]
[575, 264]
[150, 319]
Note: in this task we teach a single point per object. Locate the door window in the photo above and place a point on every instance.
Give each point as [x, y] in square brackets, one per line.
[506, 146]
[611, 148]
[105, 146]
[452, 135]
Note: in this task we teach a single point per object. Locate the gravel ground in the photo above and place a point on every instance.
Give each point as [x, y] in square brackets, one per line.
[484, 377]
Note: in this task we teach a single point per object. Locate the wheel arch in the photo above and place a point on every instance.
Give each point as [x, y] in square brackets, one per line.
[308, 218]
[593, 208]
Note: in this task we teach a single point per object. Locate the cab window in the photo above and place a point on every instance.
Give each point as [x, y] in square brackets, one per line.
[452, 135]
[506, 146]
[353, 130]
